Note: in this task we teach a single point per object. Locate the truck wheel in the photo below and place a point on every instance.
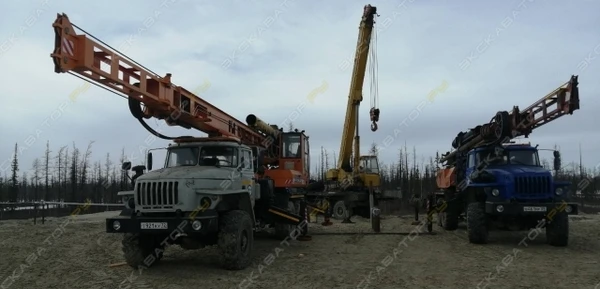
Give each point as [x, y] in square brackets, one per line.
[450, 219]
[340, 211]
[282, 231]
[477, 224]
[557, 231]
[236, 240]
[141, 250]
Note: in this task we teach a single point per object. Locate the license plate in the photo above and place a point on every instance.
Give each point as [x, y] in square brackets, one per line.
[534, 209]
[159, 226]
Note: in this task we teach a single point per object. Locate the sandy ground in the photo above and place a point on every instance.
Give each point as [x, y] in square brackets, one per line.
[78, 255]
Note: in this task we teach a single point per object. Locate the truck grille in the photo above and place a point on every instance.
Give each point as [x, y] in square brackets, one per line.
[157, 193]
[532, 186]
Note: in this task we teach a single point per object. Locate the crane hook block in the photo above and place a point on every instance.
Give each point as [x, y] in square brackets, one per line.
[374, 112]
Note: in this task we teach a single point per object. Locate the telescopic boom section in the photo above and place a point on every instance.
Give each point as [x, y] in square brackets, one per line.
[506, 126]
[355, 97]
[98, 63]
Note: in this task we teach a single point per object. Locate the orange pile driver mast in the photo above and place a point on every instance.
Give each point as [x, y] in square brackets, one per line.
[88, 58]
[506, 126]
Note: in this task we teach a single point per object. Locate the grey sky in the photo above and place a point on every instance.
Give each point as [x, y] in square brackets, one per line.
[281, 50]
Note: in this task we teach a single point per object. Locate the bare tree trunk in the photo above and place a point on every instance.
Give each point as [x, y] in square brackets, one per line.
[61, 175]
[85, 167]
[74, 172]
[46, 170]
[106, 183]
[36, 176]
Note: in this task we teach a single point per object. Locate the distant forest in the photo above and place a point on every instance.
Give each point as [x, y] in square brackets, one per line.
[67, 174]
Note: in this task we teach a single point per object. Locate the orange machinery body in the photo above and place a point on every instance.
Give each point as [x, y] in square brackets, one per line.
[102, 65]
[446, 178]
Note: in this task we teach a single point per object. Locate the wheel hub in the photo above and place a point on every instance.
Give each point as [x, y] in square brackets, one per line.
[244, 242]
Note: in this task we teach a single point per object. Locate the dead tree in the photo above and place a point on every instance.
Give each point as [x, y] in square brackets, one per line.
[46, 170]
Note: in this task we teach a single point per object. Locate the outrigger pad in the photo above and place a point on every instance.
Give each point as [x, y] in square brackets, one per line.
[285, 217]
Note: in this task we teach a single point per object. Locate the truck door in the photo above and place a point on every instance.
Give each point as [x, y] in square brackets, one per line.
[247, 170]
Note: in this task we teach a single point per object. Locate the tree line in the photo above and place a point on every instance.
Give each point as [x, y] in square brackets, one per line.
[417, 175]
[64, 175]
[67, 174]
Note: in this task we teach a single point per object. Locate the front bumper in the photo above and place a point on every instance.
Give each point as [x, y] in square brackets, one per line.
[527, 209]
[163, 225]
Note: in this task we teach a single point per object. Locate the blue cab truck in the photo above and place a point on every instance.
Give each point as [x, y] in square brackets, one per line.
[497, 184]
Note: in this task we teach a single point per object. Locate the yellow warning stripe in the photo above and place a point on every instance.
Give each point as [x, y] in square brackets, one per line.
[283, 215]
[316, 209]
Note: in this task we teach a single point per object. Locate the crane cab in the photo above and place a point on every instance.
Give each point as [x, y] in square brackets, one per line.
[369, 170]
[295, 153]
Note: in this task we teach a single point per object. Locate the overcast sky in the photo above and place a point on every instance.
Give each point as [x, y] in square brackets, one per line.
[280, 51]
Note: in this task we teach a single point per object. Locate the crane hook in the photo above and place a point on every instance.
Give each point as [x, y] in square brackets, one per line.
[374, 113]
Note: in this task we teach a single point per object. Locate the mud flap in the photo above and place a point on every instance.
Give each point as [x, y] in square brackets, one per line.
[126, 212]
[283, 216]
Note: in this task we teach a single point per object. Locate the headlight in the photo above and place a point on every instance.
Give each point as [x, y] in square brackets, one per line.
[205, 202]
[568, 209]
[559, 191]
[116, 225]
[495, 192]
[196, 225]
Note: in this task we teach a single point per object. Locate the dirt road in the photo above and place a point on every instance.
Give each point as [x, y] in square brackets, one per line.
[78, 255]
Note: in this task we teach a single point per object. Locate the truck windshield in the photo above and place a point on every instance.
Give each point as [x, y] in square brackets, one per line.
[222, 156]
[182, 156]
[515, 157]
[524, 157]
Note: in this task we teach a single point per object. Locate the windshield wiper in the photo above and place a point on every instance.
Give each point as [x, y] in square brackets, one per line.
[520, 162]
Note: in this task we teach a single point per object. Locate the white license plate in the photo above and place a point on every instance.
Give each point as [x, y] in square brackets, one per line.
[159, 226]
[534, 209]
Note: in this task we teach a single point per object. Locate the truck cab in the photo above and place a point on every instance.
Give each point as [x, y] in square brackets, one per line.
[516, 174]
[195, 174]
[510, 189]
[206, 190]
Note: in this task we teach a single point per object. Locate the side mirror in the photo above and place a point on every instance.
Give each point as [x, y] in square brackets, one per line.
[126, 166]
[149, 161]
[557, 161]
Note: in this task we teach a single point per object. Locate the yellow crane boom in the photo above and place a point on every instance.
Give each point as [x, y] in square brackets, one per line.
[346, 172]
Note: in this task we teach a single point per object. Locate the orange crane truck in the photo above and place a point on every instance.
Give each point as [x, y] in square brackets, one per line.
[218, 189]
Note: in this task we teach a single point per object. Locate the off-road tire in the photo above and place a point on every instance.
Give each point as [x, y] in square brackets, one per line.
[450, 219]
[339, 211]
[282, 231]
[141, 250]
[557, 230]
[235, 240]
[477, 224]
[451, 212]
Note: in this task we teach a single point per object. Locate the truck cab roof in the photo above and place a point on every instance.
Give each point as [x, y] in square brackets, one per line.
[509, 147]
[197, 141]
